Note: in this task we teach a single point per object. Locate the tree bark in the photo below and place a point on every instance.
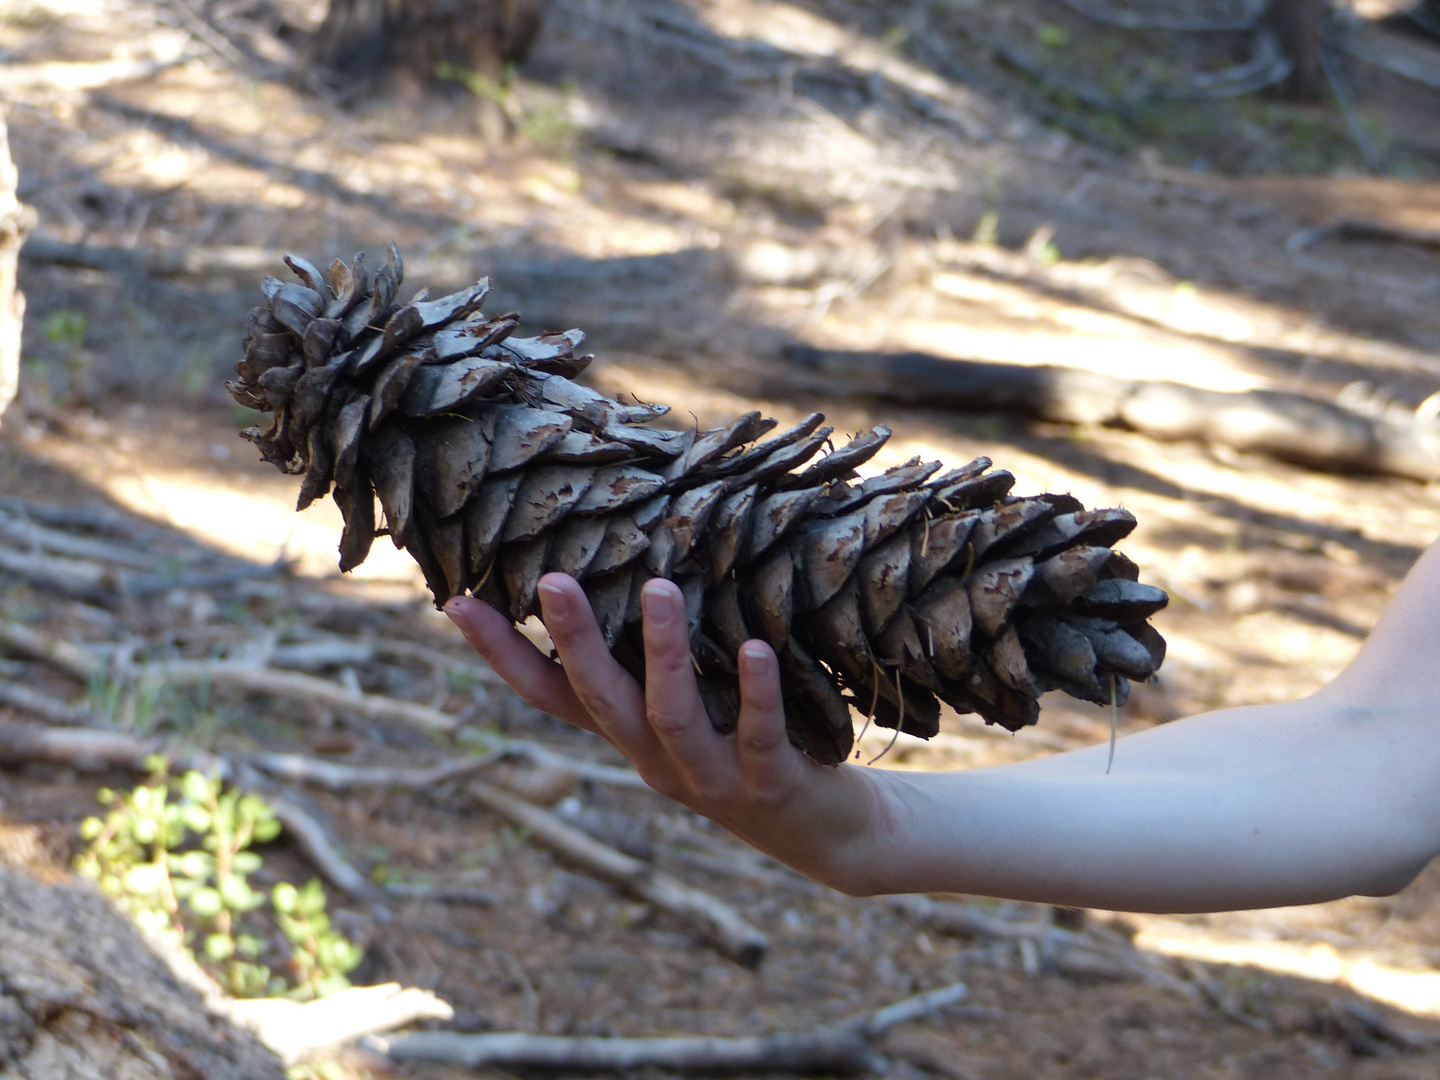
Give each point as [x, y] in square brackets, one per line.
[407, 45]
[1301, 25]
[81, 994]
[16, 220]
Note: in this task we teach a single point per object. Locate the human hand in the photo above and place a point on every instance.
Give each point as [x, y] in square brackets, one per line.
[830, 823]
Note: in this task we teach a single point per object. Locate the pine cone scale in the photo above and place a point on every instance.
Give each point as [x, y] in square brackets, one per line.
[492, 467]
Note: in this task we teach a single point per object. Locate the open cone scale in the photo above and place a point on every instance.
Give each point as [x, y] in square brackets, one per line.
[492, 467]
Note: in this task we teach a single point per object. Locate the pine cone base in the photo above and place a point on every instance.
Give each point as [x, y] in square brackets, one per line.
[492, 466]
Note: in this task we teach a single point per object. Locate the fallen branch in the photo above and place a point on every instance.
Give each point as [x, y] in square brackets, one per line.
[968, 920]
[258, 679]
[1096, 954]
[1246, 14]
[20, 530]
[96, 517]
[442, 892]
[337, 777]
[1409, 60]
[714, 919]
[96, 581]
[157, 262]
[136, 586]
[843, 1047]
[92, 750]
[1363, 229]
[294, 685]
[73, 577]
[296, 1029]
[313, 838]
[410, 650]
[45, 707]
[96, 750]
[238, 676]
[737, 866]
[1291, 427]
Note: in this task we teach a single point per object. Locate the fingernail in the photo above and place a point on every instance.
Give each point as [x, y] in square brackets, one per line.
[554, 601]
[755, 655]
[656, 603]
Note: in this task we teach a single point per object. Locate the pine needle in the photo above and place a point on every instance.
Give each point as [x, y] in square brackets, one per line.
[1114, 725]
[900, 693]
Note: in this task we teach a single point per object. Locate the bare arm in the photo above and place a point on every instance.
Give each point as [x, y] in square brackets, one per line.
[1331, 795]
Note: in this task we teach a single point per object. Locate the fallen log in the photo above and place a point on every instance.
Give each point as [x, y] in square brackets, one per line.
[83, 995]
[1292, 427]
[714, 919]
[843, 1048]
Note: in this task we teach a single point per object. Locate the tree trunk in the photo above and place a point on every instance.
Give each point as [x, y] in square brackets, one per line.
[81, 994]
[1301, 26]
[16, 220]
[409, 45]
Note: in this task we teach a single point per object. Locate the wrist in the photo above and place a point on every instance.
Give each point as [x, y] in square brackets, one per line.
[868, 857]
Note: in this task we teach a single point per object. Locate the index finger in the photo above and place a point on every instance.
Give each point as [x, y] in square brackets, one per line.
[538, 680]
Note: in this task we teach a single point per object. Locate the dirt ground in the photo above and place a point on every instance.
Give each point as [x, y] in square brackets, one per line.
[699, 185]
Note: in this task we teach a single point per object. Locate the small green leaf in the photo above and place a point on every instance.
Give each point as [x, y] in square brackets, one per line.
[238, 895]
[266, 829]
[195, 864]
[196, 786]
[195, 817]
[312, 898]
[219, 947]
[144, 879]
[284, 897]
[1052, 36]
[247, 862]
[249, 946]
[206, 902]
[91, 827]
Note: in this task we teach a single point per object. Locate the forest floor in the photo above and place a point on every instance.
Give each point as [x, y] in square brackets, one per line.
[700, 185]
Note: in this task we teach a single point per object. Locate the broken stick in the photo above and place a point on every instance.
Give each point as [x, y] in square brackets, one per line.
[842, 1047]
[715, 920]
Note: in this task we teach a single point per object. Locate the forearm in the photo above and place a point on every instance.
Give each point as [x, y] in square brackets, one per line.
[1256, 807]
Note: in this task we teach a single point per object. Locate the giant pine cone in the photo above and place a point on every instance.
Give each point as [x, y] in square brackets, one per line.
[493, 467]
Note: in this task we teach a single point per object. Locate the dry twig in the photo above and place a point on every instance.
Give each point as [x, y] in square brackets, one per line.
[294, 1029]
[18, 529]
[239, 676]
[90, 750]
[717, 921]
[842, 1047]
[45, 707]
[337, 777]
[294, 685]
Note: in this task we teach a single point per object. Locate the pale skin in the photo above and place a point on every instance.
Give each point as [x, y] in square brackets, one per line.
[1327, 796]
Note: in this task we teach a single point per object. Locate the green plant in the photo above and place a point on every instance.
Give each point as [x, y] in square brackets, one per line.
[1052, 36]
[175, 854]
[319, 956]
[987, 229]
[66, 327]
[477, 82]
